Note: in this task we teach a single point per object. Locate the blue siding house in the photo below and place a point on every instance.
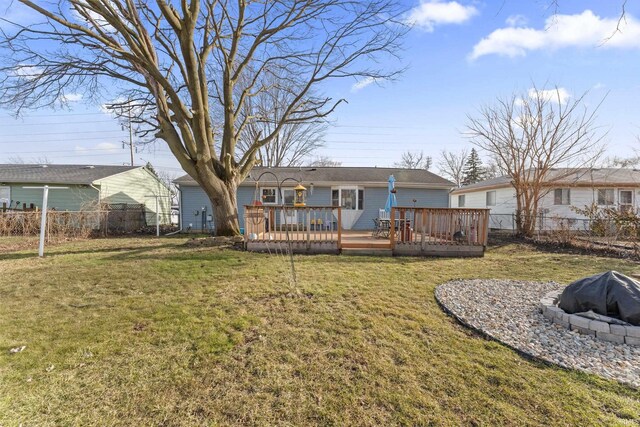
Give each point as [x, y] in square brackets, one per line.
[361, 191]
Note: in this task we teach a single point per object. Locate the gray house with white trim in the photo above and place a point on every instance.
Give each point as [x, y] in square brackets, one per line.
[361, 191]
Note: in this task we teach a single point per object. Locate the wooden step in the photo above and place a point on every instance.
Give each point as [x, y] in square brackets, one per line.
[366, 245]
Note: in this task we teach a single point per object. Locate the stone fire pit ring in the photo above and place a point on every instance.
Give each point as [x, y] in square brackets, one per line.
[509, 311]
[608, 332]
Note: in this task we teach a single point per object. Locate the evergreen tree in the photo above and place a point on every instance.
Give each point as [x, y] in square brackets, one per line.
[473, 169]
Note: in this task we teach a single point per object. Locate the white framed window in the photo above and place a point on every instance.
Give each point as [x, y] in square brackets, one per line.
[269, 196]
[562, 196]
[351, 198]
[606, 196]
[625, 200]
[491, 198]
[5, 195]
[461, 200]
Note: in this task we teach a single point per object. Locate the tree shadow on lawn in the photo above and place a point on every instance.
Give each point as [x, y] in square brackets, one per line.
[125, 251]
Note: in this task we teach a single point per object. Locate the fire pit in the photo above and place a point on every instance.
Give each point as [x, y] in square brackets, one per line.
[605, 306]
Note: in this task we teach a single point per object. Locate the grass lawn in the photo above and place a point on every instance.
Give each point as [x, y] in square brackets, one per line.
[149, 332]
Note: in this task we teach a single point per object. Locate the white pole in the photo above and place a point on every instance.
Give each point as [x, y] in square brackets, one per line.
[157, 218]
[43, 221]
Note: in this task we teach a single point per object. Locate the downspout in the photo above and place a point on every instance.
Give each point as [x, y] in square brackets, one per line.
[99, 193]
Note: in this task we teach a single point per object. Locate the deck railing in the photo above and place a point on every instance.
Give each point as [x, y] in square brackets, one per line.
[308, 224]
[439, 226]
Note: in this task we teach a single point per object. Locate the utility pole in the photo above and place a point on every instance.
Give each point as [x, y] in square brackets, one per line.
[130, 143]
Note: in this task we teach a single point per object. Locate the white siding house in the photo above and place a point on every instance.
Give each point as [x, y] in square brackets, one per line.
[619, 188]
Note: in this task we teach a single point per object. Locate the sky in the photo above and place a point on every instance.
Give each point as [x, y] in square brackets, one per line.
[460, 55]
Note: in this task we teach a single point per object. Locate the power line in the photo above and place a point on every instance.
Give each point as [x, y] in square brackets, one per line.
[56, 123]
[61, 133]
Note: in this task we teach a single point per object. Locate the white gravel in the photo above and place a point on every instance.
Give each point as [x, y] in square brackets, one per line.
[508, 312]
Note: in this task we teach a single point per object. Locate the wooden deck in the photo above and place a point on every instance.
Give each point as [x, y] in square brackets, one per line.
[416, 231]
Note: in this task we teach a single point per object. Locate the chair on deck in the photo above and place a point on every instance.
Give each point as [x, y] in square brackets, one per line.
[381, 224]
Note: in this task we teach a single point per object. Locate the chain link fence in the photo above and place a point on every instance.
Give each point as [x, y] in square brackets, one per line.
[109, 220]
[618, 230]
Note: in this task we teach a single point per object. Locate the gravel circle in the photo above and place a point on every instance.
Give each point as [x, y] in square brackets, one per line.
[508, 311]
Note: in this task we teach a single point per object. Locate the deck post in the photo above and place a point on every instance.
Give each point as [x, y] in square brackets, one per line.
[308, 215]
[392, 228]
[339, 227]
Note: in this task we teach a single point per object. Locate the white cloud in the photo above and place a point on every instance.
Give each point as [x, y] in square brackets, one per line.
[598, 86]
[558, 96]
[71, 97]
[516, 21]
[103, 148]
[561, 31]
[359, 85]
[431, 13]
[28, 72]
[93, 19]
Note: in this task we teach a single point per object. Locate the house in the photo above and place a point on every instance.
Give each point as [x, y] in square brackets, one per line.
[361, 191]
[565, 190]
[88, 187]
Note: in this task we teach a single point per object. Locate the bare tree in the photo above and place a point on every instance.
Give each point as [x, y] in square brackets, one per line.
[194, 65]
[18, 160]
[451, 165]
[324, 161]
[532, 135]
[414, 160]
[293, 144]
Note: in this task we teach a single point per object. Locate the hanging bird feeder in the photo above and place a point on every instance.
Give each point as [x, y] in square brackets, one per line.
[300, 195]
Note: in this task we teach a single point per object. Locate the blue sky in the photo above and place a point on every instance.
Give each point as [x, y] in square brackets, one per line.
[460, 55]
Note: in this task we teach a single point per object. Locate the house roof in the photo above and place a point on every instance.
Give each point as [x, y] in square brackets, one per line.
[581, 177]
[340, 175]
[58, 174]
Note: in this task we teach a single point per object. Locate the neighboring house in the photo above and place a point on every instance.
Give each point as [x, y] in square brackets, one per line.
[361, 191]
[88, 187]
[565, 190]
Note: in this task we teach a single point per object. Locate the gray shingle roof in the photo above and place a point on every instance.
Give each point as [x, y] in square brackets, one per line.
[58, 174]
[336, 175]
[571, 177]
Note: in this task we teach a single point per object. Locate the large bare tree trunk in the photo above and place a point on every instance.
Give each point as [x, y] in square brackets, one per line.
[225, 210]
[194, 72]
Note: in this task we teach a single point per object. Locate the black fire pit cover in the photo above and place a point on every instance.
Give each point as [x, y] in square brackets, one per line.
[611, 294]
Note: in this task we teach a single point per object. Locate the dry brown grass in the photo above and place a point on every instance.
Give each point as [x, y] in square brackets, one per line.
[149, 332]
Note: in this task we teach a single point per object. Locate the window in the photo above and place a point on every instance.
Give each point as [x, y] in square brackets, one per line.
[335, 198]
[5, 195]
[491, 198]
[269, 196]
[288, 196]
[461, 201]
[605, 196]
[351, 198]
[562, 196]
[626, 200]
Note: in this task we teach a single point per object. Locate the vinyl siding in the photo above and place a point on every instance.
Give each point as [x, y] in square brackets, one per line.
[138, 186]
[194, 199]
[74, 198]
[505, 208]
